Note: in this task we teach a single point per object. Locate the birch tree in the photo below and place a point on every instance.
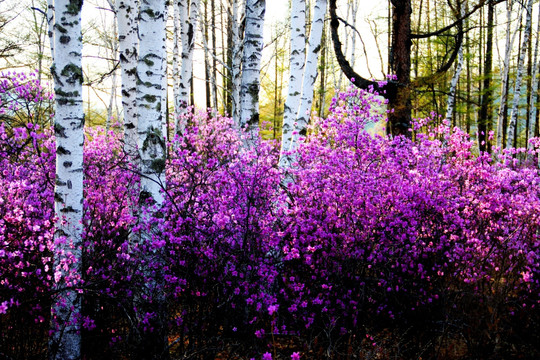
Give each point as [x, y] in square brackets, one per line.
[451, 102]
[65, 341]
[176, 4]
[127, 12]
[214, 57]
[354, 12]
[296, 69]
[236, 50]
[510, 38]
[485, 113]
[151, 70]
[519, 77]
[181, 86]
[188, 13]
[251, 62]
[112, 46]
[310, 73]
[534, 91]
[50, 26]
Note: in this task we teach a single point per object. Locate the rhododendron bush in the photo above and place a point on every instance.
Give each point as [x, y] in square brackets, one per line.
[367, 246]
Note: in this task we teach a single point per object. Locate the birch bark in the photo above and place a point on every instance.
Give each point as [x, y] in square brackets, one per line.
[214, 61]
[519, 77]
[451, 101]
[151, 70]
[150, 91]
[296, 69]
[236, 58]
[128, 43]
[50, 26]
[176, 59]
[65, 341]
[354, 12]
[188, 22]
[251, 62]
[113, 45]
[505, 69]
[310, 73]
[534, 91]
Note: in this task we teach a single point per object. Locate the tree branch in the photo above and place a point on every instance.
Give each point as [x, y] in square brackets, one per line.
[455, 23]
[444, 68]
[388, 91]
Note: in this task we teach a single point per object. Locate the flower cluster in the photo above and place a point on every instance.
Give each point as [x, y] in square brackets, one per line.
[368, 245]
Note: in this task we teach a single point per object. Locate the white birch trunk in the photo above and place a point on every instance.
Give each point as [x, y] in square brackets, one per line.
[310, 73]
[354, 5]
[208, 53]
[176, 59]
[164, 100]
[188, 22]
[114, 79]
[296, 69]
[112, 98]
[126, 15]
[534, 91]
[251, 62]
[505, 69]
[150, 91]
[50, 26]
[451, 101]
[519, 78]
[151, 71]
[346, 42]
[181, 99]
[65, 341]
[236, 63]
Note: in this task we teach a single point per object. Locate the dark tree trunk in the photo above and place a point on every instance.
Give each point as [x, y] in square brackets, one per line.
[398, 92]
[228, 88]
[400, 119]
[389, 91]
[505, 113]
[485, 113]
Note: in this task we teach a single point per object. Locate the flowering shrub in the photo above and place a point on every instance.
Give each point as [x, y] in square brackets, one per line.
[390, 233]
[369, 246]
[24, 100]
[218, 231]
[26, 230]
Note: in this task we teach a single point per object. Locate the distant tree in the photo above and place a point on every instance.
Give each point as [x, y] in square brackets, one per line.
[8, 46]
[486, 101]
[519, 76]
[451, 102]
[189, 16]
[505, 74]
[532, 96]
